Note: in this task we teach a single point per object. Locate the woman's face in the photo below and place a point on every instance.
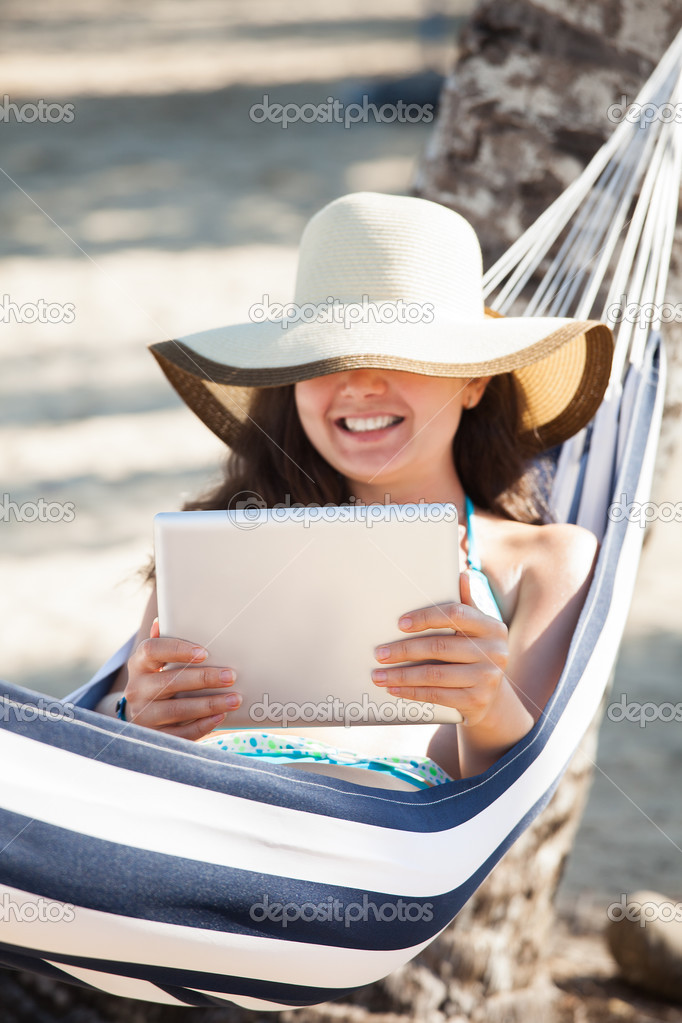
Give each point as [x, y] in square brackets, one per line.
[387, 428]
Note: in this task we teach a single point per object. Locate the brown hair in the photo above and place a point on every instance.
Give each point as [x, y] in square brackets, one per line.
[486, 452]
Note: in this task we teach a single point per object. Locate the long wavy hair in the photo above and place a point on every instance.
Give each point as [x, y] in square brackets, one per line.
[488, 458]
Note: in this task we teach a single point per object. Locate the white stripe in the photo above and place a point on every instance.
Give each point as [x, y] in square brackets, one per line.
[91, 934]
[124, 987]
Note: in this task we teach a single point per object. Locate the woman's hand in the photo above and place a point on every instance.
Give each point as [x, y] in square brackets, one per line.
[464, 670]
[149, 692]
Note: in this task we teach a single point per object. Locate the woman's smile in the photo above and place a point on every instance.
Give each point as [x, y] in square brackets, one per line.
[369, 428]
[387, 428]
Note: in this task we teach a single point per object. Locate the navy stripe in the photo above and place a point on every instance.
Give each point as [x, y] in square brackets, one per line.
[14, 958]
[194, 998]
[135, 883]
[170, 978]
[175, 982]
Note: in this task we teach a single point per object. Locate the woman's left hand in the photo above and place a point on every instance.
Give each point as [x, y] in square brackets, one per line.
[464, 670]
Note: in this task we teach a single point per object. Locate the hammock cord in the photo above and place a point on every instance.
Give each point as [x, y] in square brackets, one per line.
[640, 163]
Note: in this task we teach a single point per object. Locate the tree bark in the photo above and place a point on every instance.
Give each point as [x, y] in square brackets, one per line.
[526, 108]
[523, 111]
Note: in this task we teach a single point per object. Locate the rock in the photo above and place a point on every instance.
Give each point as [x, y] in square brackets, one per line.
[645, 938]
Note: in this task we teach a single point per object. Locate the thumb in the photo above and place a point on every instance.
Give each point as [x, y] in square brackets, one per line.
[465, 596]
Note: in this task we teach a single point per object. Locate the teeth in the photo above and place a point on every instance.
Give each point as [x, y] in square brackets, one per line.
[378, 423]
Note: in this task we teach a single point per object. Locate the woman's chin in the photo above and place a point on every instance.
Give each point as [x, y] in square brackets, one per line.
[380, 482]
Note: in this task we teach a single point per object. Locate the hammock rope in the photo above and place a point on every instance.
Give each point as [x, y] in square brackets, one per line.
[157, 863]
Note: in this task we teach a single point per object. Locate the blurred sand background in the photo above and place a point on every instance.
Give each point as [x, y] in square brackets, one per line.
[163, 209]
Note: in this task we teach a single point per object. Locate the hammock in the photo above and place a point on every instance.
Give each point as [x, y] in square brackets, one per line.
[145, 866]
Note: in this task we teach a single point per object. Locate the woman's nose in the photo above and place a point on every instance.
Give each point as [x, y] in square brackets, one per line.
[365, 379]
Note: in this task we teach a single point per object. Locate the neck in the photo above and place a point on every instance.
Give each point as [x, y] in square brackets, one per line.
[435, 490]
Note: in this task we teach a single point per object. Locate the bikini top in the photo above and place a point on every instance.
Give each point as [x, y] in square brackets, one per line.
[480, 587]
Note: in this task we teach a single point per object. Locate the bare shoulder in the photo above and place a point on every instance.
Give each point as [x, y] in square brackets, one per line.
[560, 549]
[526, 562]
[544, 574]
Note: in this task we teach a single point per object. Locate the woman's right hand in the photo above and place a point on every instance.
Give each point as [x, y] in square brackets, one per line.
[150, 690]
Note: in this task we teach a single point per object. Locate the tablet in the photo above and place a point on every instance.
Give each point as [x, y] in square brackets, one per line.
[296, 599]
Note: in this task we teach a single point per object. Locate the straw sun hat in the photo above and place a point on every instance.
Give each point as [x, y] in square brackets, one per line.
[393, 282]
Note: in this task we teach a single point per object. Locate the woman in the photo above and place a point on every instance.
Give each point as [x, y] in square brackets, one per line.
[397, 387]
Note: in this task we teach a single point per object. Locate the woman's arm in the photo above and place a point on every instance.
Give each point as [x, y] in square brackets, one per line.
[499, 678]
[554, 584]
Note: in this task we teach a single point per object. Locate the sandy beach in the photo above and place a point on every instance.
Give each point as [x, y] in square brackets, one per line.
[163, 208]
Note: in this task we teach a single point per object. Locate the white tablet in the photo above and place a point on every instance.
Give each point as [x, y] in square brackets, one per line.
[297, 599]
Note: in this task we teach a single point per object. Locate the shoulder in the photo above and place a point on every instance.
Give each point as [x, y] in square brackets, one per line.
[558, 562]
[560, 547]
[551, 567]
[528, 563]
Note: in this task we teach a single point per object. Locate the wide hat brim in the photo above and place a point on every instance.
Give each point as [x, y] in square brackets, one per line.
[561, 366]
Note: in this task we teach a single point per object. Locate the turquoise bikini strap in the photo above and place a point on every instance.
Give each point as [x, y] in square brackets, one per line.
[474, 561]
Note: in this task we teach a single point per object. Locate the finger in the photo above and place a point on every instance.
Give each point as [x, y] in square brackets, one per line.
[170, 681]
[173, 712]
[154, 653]
[154, 631]
[435, 674]
[440, 647]
[460, 617]
[195, 729]
[455, 699]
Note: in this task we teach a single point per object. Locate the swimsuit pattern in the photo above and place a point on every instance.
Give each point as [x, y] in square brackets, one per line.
[282, 749]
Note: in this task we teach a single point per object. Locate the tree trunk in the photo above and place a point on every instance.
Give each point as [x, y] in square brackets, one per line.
[526, 108]
[523, 111]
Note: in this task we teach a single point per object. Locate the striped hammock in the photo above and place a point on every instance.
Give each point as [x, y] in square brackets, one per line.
[149, 867]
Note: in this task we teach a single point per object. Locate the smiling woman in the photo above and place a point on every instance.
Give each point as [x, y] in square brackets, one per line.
[388, 429]
[372, 408]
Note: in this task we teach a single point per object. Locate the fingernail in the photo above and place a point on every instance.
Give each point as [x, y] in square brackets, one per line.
[382, 652]
[233, 700]
[405, 622]
[198, 653]
[216, 718]
[379, 676]
[227, 675]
